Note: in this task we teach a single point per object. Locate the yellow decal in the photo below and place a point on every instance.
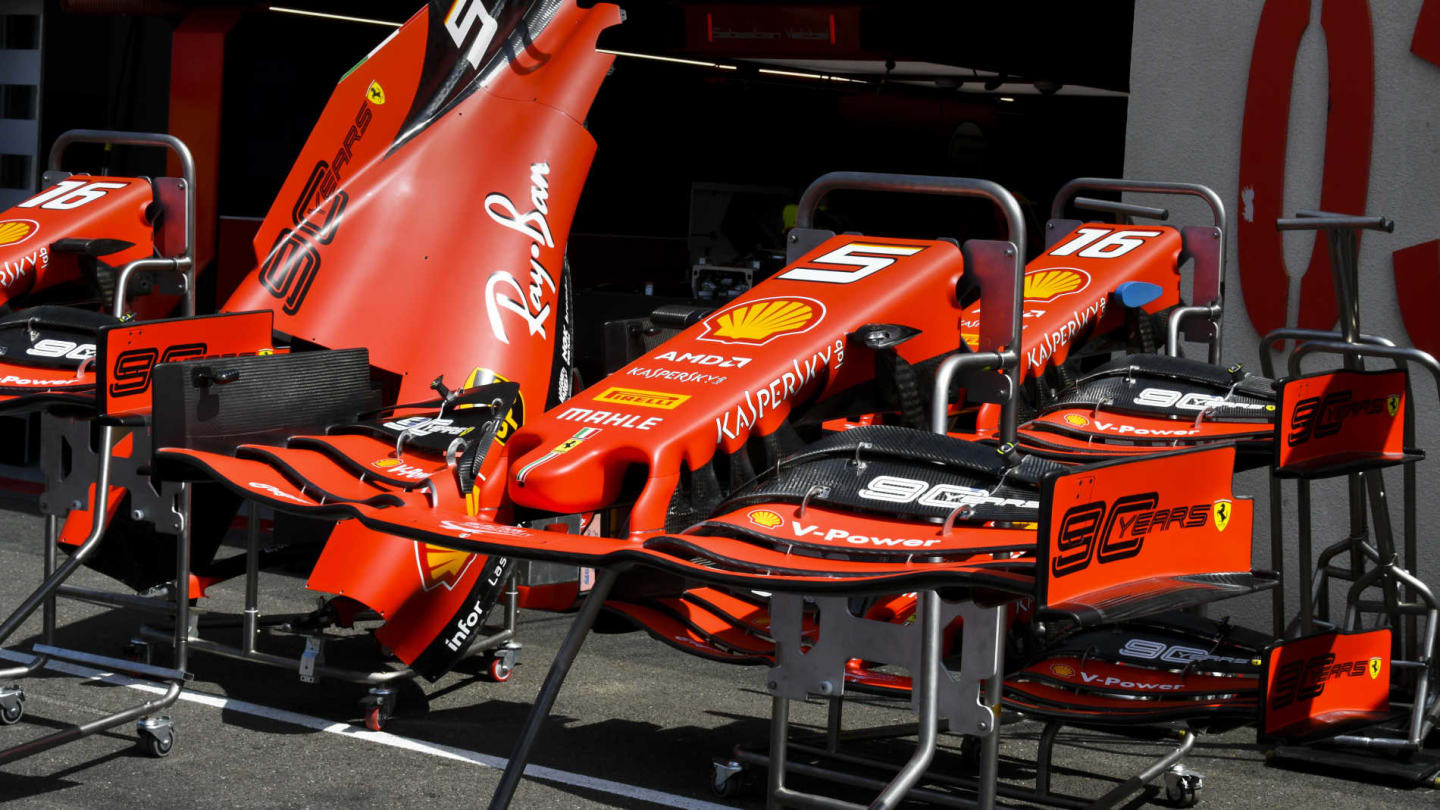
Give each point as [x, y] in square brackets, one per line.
[758, 322]
[764, 518]
[1392, 404]
[1222, 509]
[1047, 285]
[1076, 419]
[659, 400]
[441, 566]
[375, 94]
[15, 231]
[1375, 665]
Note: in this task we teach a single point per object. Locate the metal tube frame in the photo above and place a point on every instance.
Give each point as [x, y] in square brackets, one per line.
[1212, 311]
[928, 678]
[1367, 487]
[1279, 625]
[185, 262]
[44, 596]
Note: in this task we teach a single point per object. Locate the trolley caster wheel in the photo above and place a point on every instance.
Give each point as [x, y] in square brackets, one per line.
[379, 705]
[374, 719]
[157, 736]
[12, 705]
[500, 665]
[140, 651]
[1182, 786]
[728, 779]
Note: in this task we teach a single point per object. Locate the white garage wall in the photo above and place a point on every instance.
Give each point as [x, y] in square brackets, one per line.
[1189, 69]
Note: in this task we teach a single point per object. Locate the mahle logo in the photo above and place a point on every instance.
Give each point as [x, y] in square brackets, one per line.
[758, 322]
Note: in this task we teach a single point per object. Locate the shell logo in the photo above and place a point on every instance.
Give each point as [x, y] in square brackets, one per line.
[1062, 670]
[764, 518]
[441, 566]
[755, 323]
[1076, 419]
[1042, 286]
[15, 231]
[385, 463]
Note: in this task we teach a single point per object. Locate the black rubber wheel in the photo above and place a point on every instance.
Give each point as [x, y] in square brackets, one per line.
[157, 747]
[1182, 796]
[12, 715]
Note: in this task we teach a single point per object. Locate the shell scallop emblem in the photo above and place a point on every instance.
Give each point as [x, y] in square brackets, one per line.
[755, 323]
[1042, 286]
[1062, 670]
[764, 518]
[441, 566]
[15, 231]
[1076, 419]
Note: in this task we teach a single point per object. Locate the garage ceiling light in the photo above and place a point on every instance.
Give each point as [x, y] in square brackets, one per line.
[801, 75]
[675, 59]
[326, 15]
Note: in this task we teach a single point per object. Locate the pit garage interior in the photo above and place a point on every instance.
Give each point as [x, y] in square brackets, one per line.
[714, 119]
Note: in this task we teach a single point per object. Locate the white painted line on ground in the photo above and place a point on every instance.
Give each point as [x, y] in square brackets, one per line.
[380, 737]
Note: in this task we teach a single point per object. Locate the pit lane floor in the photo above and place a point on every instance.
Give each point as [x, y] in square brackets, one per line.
[636, 725]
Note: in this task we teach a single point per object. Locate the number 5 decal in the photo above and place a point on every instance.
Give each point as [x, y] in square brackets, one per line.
[867, 259]
[462, 17]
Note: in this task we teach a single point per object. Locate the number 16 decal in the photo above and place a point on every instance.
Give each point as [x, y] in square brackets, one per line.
[68, 194]
[1115, 243]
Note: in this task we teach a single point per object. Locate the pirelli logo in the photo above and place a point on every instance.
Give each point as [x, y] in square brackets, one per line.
[644, 399]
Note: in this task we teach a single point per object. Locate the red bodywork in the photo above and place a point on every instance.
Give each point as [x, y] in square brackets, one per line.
[1068, 288]
[78, 207]
[426, 219]
[784, 343]
[1340, 421]
[1323, 683]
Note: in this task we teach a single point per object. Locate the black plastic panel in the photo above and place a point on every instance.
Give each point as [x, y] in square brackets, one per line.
[272, 398]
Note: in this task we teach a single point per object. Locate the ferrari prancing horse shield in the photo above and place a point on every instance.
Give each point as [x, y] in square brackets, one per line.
[1222, 510]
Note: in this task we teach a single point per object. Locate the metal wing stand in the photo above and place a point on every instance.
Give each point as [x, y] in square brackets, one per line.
[1373, 561]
